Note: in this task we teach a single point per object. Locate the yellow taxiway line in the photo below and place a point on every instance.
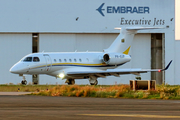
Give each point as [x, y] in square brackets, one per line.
[132, 115]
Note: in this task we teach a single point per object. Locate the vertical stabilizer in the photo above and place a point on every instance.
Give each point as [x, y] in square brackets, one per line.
[122, 43]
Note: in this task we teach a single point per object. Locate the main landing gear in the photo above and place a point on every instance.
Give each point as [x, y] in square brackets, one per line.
[70, 81]
[93, 81]
[24, 82]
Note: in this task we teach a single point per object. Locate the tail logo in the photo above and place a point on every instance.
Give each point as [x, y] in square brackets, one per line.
[127, 51]
[122, 40]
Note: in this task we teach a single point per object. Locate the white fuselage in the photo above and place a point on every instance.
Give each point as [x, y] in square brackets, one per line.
[80, 65]
[55, 63]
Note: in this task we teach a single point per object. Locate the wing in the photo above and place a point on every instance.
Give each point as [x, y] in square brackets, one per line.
[115, 72]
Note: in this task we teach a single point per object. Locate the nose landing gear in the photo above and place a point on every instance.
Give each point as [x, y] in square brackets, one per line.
[24, 82]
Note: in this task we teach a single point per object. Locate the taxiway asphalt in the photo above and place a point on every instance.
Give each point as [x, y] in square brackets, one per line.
[26, 107]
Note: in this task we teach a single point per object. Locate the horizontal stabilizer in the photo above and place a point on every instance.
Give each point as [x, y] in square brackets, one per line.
[139, 28]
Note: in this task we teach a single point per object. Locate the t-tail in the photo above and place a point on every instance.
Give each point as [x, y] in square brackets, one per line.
[123, 42]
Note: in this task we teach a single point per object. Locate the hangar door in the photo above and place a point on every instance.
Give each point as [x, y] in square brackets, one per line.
[157, 56]
[12, 48]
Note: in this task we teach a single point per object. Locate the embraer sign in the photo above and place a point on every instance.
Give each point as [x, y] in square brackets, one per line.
[123, 9]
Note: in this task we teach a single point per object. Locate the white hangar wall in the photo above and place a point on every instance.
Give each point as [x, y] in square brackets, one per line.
[72, 42]
[12, 48]
[70, 17]
[97, 42]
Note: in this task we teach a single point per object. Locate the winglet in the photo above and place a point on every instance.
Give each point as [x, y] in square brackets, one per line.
[167, 66]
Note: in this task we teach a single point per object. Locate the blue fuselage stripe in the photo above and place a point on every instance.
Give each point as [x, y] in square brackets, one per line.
[80, 65]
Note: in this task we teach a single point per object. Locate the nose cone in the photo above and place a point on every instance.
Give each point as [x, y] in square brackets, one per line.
[17, 68]
[13, 69]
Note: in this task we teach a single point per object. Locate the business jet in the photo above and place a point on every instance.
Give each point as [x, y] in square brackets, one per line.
[84, 65]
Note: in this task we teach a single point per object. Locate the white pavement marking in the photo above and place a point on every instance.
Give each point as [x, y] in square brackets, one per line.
[132, 115]
[14, 93]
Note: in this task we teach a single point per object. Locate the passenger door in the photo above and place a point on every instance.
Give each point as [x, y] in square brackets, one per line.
[48, 62]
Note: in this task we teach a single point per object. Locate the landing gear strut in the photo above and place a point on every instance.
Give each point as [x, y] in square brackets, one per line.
[70, 81]
[24, 82]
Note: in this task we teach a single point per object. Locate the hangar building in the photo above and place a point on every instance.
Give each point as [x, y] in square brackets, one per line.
[28, 26]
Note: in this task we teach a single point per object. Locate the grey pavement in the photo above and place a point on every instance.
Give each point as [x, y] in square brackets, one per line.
[25, 107]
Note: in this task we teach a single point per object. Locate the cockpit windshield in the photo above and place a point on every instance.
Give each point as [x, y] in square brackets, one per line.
[28, 59]
[36, 59]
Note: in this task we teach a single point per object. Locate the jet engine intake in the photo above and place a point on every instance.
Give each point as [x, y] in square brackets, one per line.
[109, 59]
[106, 58]
[115, 58]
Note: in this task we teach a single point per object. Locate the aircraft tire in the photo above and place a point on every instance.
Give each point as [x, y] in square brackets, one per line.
[24, 82]
[71, 82]
[95, 83]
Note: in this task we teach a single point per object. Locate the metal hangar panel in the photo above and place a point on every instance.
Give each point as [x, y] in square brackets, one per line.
[12, 48]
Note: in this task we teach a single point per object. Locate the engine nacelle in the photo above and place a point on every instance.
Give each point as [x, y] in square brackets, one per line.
[115, 58]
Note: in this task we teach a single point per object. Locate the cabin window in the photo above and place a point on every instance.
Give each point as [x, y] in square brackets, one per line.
[74, 60]
[80, 60]
[28, 59]
[65, 60]
[36, 59]
[59, 60]
[54, 60]
[70, 60]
